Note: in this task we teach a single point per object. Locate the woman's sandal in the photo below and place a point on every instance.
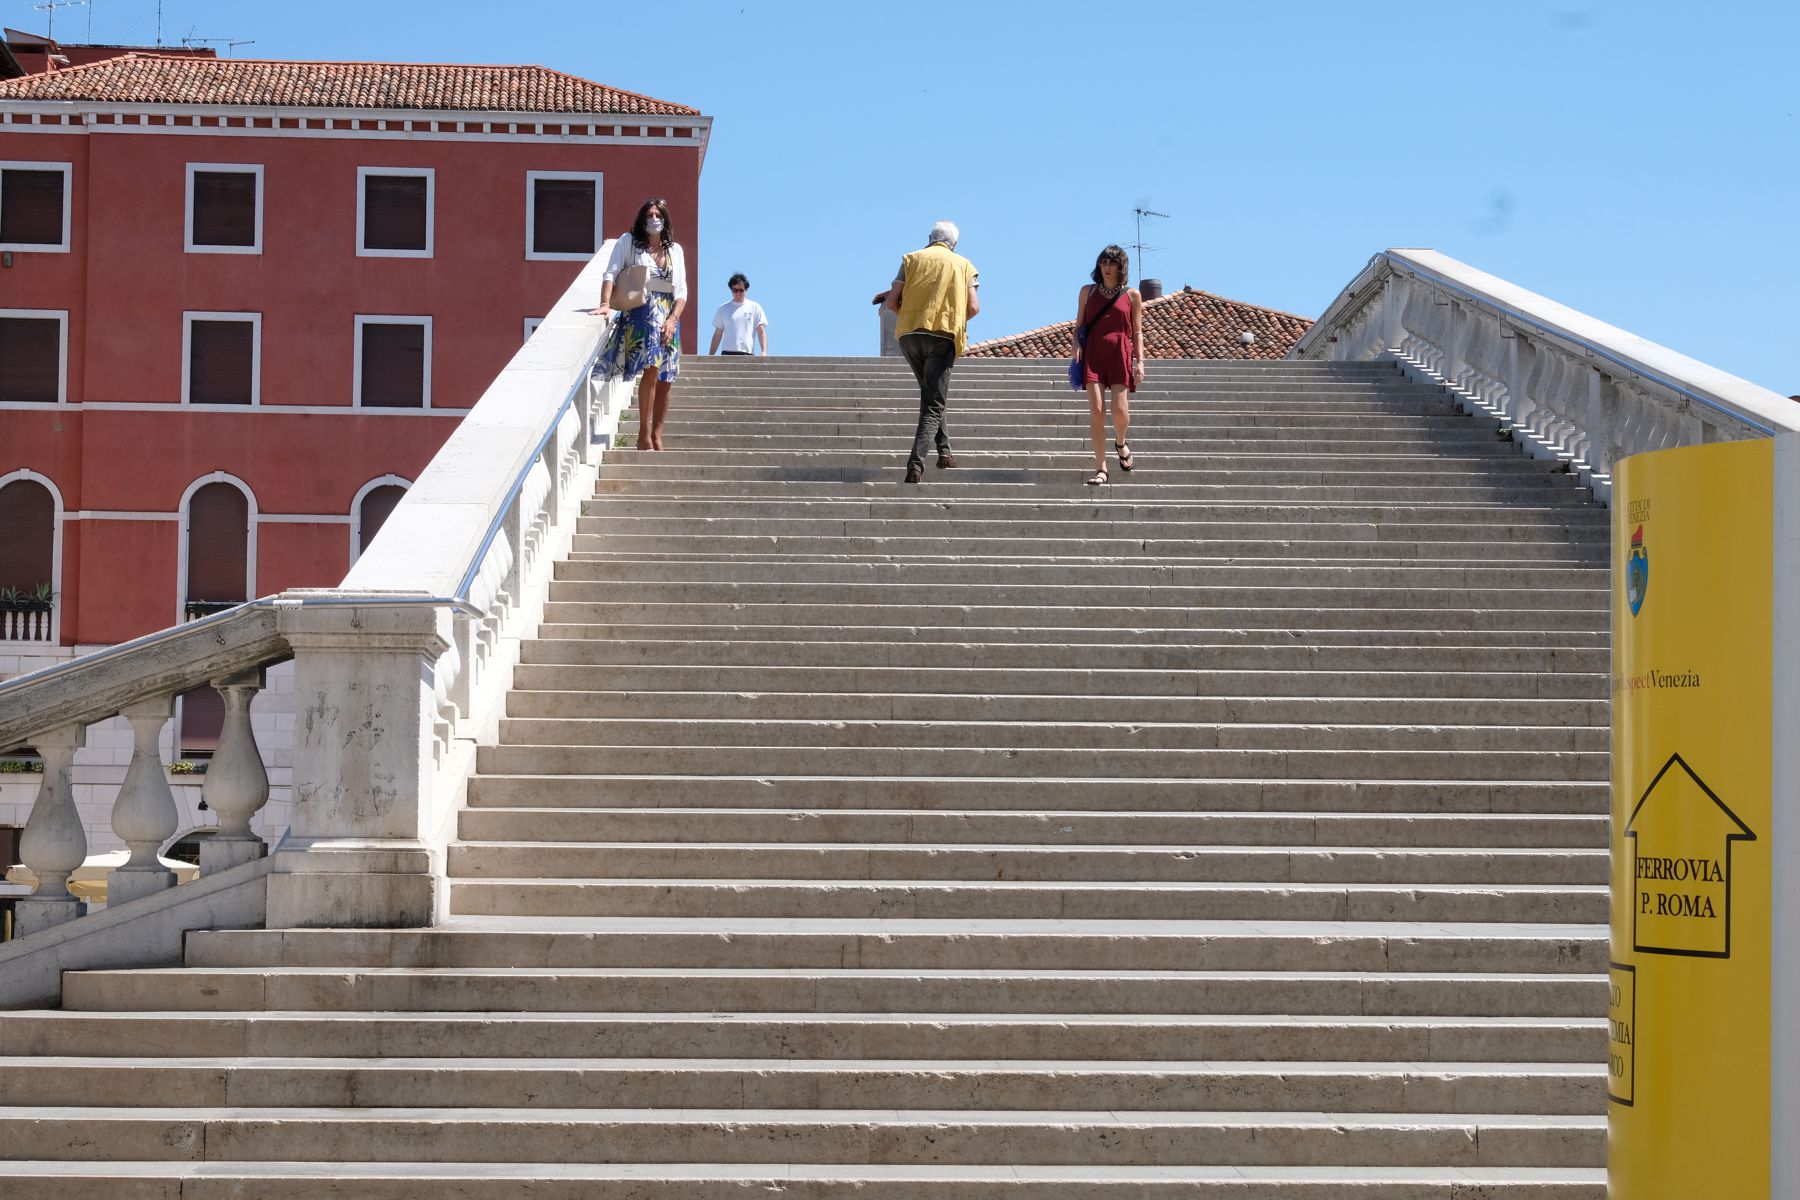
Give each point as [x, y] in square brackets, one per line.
[1125, 460]
[1097, 478]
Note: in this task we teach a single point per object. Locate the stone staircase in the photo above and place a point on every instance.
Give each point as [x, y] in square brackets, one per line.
[1235, 830]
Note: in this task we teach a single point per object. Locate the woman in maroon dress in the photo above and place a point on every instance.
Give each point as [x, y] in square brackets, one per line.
[1111, 352]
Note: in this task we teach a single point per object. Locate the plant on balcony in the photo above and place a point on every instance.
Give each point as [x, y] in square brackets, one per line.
[27, 600]
[21, 766]
[188, 766]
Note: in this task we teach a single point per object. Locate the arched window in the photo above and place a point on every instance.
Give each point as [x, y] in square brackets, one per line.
[372, 513]
[218, 549]
[217, 531]
[28, 580]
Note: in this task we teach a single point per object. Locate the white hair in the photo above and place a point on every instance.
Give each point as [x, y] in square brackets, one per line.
[945, 232]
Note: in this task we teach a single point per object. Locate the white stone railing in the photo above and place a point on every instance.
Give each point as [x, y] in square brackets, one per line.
[1566, 386]
[397, 671]
[35, 626]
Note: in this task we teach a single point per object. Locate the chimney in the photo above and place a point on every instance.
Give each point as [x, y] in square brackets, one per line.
[1150, 289]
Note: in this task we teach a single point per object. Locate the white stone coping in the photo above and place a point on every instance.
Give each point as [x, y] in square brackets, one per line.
[435, 535]
[1579, 334]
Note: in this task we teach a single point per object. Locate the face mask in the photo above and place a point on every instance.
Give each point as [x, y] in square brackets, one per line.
[653, 225]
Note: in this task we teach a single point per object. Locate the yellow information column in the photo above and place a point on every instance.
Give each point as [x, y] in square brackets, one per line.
[1689, 1049]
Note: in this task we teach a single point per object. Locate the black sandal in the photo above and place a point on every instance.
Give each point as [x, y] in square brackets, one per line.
[1097, 478]
[1125, 460]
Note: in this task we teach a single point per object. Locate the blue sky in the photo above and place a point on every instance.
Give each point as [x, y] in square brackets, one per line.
[1638, 160]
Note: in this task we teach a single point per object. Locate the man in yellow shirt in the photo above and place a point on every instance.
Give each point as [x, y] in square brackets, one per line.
[934, 293]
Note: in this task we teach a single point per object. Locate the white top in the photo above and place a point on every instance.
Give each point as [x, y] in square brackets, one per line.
[626, 255]
[739, 319]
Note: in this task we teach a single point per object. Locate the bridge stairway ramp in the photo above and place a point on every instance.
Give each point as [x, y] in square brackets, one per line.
[1236, 829]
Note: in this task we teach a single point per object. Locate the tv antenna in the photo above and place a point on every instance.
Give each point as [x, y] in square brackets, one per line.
[230, 44]
[50, 6]
[1138, 245]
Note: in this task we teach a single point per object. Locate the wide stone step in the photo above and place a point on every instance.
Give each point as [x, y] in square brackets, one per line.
[1540, 515]
[1022, 621]
[1244, 487]
[1172, 445]
[947, 829]
[1037, 762]
[952, 543]
[799, 1084]
[1192, 653]
[823, 943]
[534, 1036]
[817, 1135]
[1024, 735]
[605, 790]
[510, 858]
[912, 706]
[727, 1181]
[992, 899]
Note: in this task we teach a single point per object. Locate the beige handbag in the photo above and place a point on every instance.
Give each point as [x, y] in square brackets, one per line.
[631, 287]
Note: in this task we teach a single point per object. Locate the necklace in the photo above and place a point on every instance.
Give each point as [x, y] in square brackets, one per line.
[1108, 292]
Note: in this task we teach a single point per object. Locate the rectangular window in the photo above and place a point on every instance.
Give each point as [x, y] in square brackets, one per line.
[33, 349]
[224, 358]
[224, 208]
[393, 362]
[394, 212]
[562, 215]
[34, 206]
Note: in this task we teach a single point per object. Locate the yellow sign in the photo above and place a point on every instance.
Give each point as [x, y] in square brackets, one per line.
[1688, 1017]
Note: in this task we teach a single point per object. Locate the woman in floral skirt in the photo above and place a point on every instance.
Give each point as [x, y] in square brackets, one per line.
[646, 340]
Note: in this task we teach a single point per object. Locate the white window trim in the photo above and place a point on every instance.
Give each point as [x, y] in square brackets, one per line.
[187, 356]
[356, 533]
[181, 556]
[531, 179]
[61, 316]
[68, 174]
[187, 217]
[429, 175]
[56, 557]
[531, 326]
[357, 357]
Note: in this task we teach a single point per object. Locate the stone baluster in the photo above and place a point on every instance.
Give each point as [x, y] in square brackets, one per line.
[54, 843]
[237, 784]
[144, 814]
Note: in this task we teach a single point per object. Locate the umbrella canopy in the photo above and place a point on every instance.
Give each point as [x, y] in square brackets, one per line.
[88, 881]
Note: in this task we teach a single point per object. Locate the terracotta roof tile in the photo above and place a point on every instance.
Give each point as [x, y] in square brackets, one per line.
[1184, 324]
[168, 79]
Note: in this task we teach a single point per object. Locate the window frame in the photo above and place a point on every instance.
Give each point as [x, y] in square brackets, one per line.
[188, 244]
[254, 320]
[68, 206]
[183, 518]
[531, 181]
[532, 325]
[362, 493]
[61, 315]
[56, 553]
[429, 175]
[356, 363]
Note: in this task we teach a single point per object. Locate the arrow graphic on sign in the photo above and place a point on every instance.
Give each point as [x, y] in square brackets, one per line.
[1681, 835]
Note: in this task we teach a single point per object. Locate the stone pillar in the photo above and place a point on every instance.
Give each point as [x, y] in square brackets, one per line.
[363, 839]
[237, 783]
[54, 843]
[144, 814]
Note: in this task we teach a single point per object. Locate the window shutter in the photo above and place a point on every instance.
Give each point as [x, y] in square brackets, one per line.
[393, 366]
[30, 354]
[563, 216]
[221, 361]
[394, 212]
[376, 507]
[224, 208]
[202, 719]
[218, 524]
[27, 536]
[31, 207]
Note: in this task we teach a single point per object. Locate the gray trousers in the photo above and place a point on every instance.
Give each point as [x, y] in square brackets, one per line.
[931, 358]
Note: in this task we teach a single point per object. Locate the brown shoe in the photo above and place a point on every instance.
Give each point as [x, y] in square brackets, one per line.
[946, 461]
[913, 474]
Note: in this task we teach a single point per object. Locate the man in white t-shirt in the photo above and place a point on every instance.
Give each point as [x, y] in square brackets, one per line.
[737, 323]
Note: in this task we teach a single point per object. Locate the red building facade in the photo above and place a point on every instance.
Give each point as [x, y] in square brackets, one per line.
[242, 303]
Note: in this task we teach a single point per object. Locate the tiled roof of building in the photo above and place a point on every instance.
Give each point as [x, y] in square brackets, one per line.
[168, 79]
[1184, 324]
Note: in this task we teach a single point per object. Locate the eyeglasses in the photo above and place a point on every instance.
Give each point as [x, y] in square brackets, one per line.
[739, 288]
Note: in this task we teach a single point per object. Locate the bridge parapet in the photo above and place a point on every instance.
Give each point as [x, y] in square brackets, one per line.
[398, 671]
[1565, 385]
